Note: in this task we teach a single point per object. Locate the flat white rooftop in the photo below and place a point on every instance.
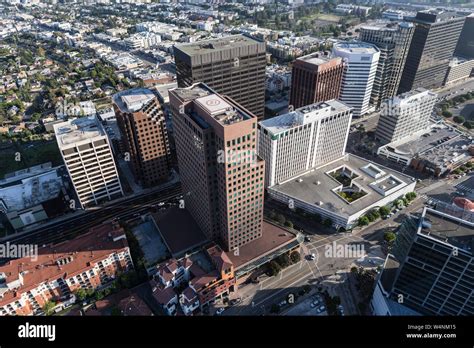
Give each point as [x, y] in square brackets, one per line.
[304, 115]
[133, 100]
[77, 130]
[356, 47]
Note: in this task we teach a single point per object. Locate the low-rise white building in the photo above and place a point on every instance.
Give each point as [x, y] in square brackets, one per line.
[343, 190]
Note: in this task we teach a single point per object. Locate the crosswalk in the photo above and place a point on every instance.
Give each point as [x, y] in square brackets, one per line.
[433, 200]
[465, 188]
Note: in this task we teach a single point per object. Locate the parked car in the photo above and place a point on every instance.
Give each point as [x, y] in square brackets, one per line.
[311, 257]
[235, 301]
[220, 310]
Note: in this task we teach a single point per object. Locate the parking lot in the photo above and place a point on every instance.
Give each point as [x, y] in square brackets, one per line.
[311, 306]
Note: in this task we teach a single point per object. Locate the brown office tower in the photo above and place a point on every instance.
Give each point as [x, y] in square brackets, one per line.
[233, 66]
[315, 78]
[142, 124]
[221, 175]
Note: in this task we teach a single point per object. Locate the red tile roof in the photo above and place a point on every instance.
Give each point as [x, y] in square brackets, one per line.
[82, 252]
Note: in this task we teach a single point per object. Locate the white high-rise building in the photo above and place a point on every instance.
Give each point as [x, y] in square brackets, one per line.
[405, 114]
[296, 142]
[358, 79]
[88, 157]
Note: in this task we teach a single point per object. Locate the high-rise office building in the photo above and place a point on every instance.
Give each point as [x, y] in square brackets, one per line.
[393, 40]
[465, 46]
[296, 142]
[221, 175]
[88, 157]
[433, 264]
[233, 66]
[142, 123]
[315, 78]
[405, 114]
[359, 74]
[432, 46]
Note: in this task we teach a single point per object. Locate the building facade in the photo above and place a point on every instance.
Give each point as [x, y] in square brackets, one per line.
[435, 263]
[432, 47]
[405, 114]
[88, 157]
[233, 66]
[295, 142]
[394, 42]
[359, 74]
[465, 46]
[89, 261]
[142, 123]
[221, 175]
[315, 78]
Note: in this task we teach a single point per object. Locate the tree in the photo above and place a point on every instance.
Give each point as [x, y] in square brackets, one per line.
[295, 257]
[81, 294]
[289, 224]
[384, 211]
[447, 113]
[390, 237]
[280, 218]
[274, 268]
[363, 221]
[410, 196]
[48, 307]
[283, 260]
[458, 119]
[468, 124]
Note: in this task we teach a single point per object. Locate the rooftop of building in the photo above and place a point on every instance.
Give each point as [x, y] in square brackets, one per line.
[448, 228]
[218, 44]
[356, 47]
[30, 188]
[209, 103]
[439, 143]
[62, 260]
[304, 115]
[260, 250]
[317, 58]
[77, 130]
[387, 25]
[174, 220]
[413, 96]
[320, 186]
[435, 15]
[133, 100]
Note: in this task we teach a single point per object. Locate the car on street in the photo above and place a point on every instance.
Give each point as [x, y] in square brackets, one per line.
[321, 309]
[235, 301]
[307, 239]
[311, 257]
[220, 310]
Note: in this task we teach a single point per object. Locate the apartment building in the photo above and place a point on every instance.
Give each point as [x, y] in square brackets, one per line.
[393, 41]
[87, 154]
[296, 142]
[221, 175]
[233, 66]
[142, 123]
[432, 47]
[89, 261]
[315, 78]
[359, 74]
[405, 114]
